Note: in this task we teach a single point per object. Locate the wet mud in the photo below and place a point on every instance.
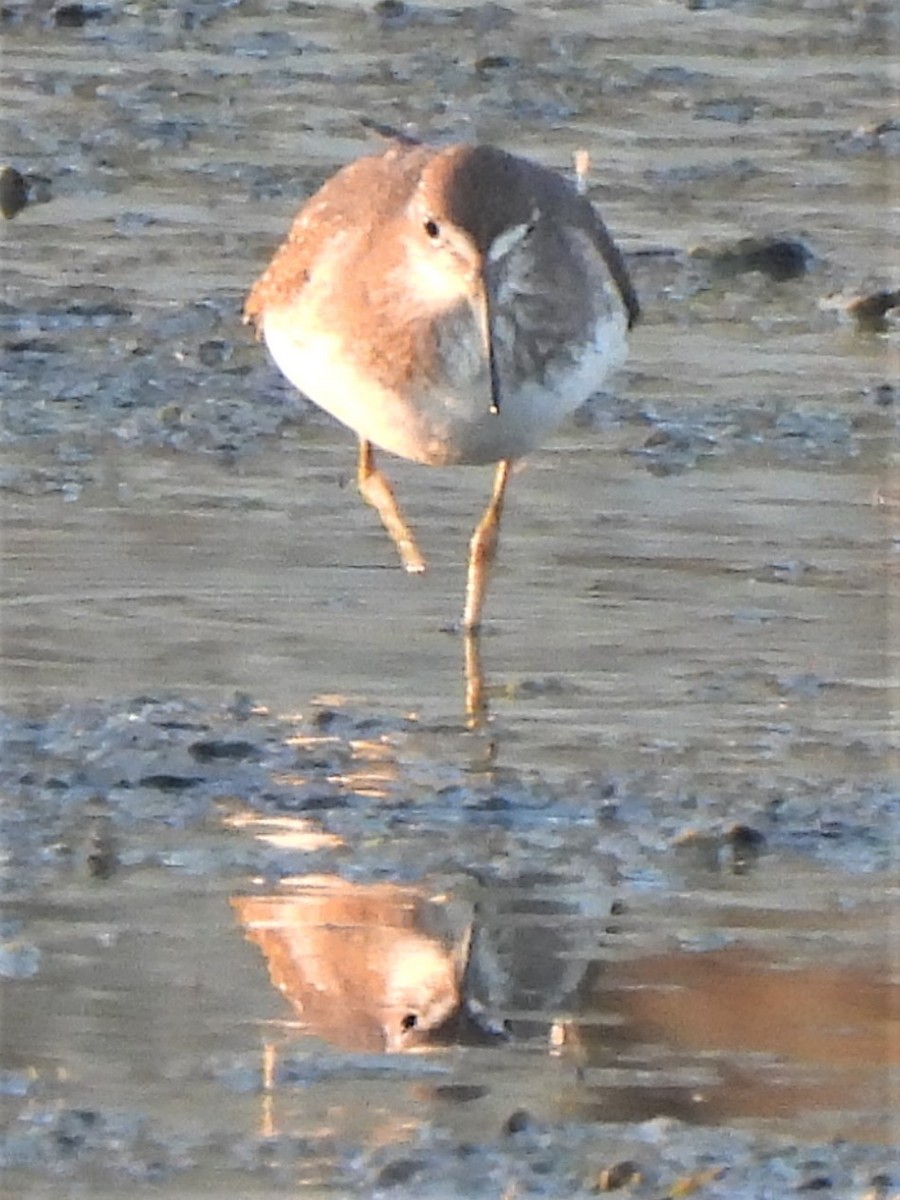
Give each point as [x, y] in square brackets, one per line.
[276, 919]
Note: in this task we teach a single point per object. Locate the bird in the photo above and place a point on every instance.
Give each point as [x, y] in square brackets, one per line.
[451, 305]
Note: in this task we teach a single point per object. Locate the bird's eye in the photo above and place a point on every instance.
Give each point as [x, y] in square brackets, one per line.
[432, 229]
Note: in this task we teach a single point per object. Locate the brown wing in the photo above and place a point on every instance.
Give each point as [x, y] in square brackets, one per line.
[354, 198]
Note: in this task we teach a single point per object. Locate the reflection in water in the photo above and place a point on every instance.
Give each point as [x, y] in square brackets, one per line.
[476, 700]
[731, 1033]
[702, 1036]
[366, 967]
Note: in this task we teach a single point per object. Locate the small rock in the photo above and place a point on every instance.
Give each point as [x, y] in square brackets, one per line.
[390, 10]
[618, 1175]
[885, 395]
[493, 62]
[459, 1093]
[230, 751]
[880, 1185]
[13, 192]
[519, 1121]
[780, 257]
[165, 782]
[399, 1172]
[74, 16]
[746, 844]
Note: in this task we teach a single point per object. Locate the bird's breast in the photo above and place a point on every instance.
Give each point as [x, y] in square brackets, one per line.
[421, 388]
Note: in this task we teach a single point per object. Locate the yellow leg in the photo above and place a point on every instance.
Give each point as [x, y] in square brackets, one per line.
[476, 701]
[375, 490]
[268, 1111]
[483, 549]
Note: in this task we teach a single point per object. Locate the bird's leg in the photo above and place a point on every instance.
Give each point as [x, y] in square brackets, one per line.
[476, 703]
[483, 549]
[375, 490]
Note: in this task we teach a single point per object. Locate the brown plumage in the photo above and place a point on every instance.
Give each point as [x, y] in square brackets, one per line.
[451, 306]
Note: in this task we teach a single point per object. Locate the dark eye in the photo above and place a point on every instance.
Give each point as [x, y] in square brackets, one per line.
[410, 1021]
[432, 229]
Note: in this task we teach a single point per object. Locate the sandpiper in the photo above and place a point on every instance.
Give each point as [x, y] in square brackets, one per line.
[450, 305]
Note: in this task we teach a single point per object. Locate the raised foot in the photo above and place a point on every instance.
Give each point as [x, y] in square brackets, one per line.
[375, 490]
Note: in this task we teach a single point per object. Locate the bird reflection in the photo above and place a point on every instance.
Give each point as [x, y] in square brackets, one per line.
[476, 701]
[366, 967]
[729, 1034]
[709, 1036]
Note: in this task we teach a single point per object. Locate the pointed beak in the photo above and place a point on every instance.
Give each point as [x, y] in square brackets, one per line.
[485, 316]
[492, 363]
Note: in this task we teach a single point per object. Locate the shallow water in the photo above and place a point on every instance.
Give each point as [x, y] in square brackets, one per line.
[738, 610]
[683, 811]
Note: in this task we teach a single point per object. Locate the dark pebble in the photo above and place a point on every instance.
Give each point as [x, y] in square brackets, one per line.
[746, 845]
[13, 192]
[399, 1172]
[884, 395]
[82, 1118]
[495, 804]
[618, 1175]
[519, 1121]
[494, 62]
[778, 257]
[170, 783]
[212, 751]
[322, 802]
[881, 1183]
[390, 9]
[215, 352]
[460, 1093]
[74, 16]
[69, 1143]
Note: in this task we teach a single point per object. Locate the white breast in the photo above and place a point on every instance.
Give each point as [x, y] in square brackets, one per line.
[450, 421]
